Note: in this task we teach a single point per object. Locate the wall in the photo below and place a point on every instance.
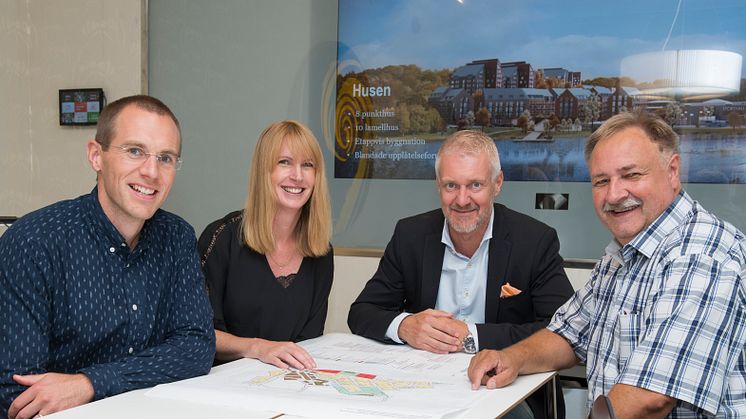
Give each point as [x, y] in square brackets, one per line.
[52, 45]
[228, 69]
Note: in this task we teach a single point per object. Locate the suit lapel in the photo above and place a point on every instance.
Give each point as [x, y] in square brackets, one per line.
[497, 266]
[432, 265]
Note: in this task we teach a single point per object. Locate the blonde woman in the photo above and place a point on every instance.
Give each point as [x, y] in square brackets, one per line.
[269, 267]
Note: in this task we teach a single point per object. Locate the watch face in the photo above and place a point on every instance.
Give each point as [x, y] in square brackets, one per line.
[469, 346]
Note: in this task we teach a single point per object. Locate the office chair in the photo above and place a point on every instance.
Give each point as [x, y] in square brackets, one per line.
[601, 409]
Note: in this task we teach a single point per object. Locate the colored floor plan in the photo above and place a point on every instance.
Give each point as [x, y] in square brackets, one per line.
[345, 382]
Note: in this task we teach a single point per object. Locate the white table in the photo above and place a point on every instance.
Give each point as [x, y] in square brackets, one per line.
[137, 404]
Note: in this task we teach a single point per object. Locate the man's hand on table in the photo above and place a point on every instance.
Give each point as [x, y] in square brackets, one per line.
[49, 393]
[434, 331]
[492, 369]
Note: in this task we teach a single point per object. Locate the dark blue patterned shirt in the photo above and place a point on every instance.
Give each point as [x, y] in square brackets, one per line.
[75, 298]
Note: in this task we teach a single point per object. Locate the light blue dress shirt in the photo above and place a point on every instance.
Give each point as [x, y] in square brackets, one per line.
[463, 285]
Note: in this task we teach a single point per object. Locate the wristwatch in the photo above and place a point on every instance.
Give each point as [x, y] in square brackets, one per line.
[469, 346]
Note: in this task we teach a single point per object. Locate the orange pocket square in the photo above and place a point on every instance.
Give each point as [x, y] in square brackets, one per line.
[508, 290]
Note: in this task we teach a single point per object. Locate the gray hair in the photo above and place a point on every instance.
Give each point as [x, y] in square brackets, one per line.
[470, 142]
[657, 130]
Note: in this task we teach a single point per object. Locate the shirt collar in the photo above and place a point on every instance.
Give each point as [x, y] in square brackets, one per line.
[648, 240]
[106, 229]
[446, 236]
[613, 251]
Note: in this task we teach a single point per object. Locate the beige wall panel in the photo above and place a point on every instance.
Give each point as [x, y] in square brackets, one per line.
[54, 45]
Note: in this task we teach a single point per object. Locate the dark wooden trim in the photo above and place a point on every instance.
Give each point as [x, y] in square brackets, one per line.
[7, 219]
[358, 251]
[579, 263]
[377, 253]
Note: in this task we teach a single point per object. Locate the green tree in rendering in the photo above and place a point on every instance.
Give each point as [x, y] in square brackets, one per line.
[552, 123]
[402, 111]
[735, 119]
[672, 113]
[592, 109]
[525, 121]
[482, 118]
[478, 97]
[470, 119]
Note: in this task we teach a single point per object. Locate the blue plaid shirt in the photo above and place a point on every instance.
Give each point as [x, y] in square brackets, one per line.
[75, 298]
[666, 313]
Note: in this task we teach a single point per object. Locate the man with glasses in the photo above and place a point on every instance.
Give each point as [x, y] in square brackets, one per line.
[103, 294]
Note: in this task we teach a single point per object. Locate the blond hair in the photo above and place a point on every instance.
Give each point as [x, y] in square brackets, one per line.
[313, 230]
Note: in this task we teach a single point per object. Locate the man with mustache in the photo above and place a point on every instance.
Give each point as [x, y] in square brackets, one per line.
[661, 324]
[472, 274]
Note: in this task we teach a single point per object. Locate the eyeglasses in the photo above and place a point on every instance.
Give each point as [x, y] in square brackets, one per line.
[137, 154]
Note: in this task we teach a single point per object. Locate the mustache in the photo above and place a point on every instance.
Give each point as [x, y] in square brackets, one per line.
[628, 203]
[469, 207]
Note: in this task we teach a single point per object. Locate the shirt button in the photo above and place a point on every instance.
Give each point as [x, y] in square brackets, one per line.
[127, 266]
[123, 244]
[134, 307]
[112, 250]
[131, 349]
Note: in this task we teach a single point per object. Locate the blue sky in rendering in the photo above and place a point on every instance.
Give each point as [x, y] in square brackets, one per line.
[587, 36]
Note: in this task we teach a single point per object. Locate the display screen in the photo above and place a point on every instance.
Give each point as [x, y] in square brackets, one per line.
[81, 106]
[538, 78]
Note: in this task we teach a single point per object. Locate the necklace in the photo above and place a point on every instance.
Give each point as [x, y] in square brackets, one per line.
[278, 264]
[281, 268]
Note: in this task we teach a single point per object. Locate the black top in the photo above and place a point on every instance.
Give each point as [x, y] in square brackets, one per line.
[247, 299]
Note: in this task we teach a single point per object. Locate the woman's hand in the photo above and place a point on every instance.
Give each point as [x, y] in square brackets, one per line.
[281, 354]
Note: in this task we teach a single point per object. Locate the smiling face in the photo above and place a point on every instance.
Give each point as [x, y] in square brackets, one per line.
[131, 191]
[292, 179]
[633, 182]
[467, 190]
